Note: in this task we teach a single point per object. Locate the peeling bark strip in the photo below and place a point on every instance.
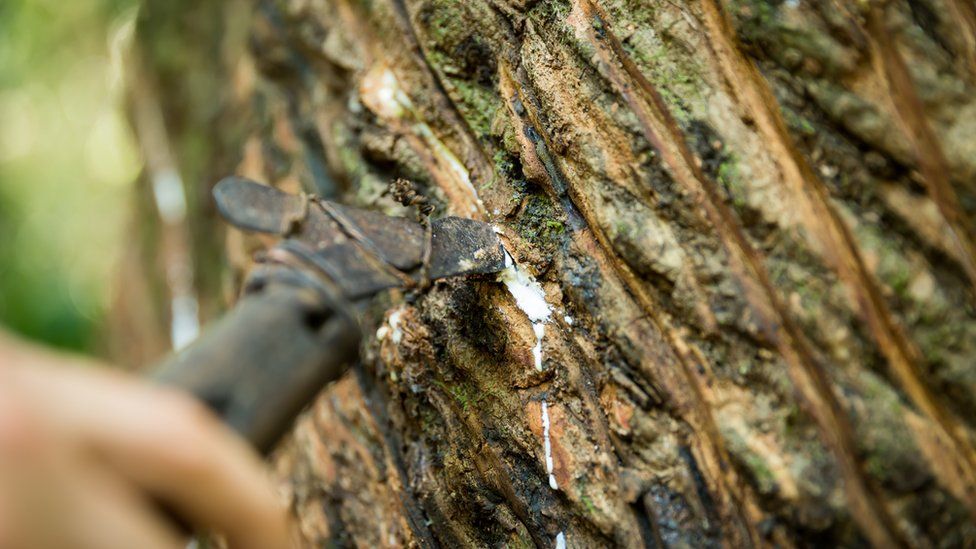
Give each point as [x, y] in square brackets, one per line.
[739, 309]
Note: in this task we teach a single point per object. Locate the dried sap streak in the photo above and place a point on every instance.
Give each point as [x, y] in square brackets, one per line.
[531, 299]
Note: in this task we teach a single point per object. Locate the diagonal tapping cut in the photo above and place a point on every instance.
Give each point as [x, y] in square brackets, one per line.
[524, 107]
[811, 381]
[929, 154]
[840, 248]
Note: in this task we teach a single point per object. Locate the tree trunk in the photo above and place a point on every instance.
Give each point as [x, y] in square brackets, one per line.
[751, 223]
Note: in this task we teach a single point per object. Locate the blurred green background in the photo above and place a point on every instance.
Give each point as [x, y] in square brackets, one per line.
[67, 165]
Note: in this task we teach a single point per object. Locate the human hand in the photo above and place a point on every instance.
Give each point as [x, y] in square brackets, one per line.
[87, 454]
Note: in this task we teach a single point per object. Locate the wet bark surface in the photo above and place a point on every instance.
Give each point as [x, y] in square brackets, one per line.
[750, 223]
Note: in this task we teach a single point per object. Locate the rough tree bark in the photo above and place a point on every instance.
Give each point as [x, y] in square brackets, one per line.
[751, 221]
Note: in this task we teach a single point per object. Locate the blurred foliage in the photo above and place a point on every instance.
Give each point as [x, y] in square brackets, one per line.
[67, 161]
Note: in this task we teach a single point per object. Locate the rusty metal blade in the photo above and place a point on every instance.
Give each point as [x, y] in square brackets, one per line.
[353, 245]
[463, 247]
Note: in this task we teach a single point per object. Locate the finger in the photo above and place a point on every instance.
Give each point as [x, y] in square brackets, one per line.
[19, 441]
[113, 515]
[51, 497]
[169, 445]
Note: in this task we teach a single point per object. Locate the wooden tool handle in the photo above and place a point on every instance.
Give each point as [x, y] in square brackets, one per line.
[261, 364]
